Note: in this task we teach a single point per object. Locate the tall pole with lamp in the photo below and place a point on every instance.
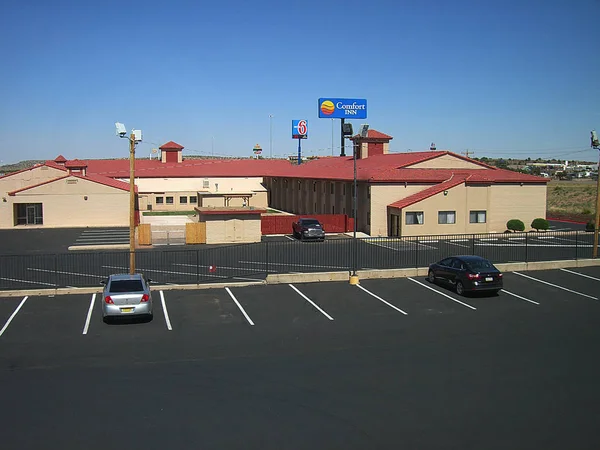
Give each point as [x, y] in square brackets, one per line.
[595, 144]
[134, 138]
[270, 135]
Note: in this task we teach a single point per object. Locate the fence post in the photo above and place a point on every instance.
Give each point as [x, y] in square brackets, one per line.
[55, 271]
[526, 242]
[576, 246]
[473, 245]
[417, 252]
[267, 257]
[197, 266]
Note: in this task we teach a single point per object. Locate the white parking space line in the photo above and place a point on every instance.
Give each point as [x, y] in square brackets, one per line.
[33, 269]
[219, 267]
[27, 281]
[89, 315]
[555, 285]
[290, 264]
[310, 301]
[12, 316]
[581, 274]
[290, 238]
[165, 312]
[457, 244]
[441, 293]
[239, 306]
[518, 296]
[381, 300]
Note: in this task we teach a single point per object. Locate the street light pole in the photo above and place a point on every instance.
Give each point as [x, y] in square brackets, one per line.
[596, 146]
[132, 204]
[270, 135]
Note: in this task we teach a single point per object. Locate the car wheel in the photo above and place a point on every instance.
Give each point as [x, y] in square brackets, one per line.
[431, 276]
[460, 289]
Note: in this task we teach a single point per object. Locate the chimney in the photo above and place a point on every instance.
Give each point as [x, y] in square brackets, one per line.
[375, 143]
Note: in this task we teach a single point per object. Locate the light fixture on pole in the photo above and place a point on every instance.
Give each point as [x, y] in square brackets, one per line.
[134, 138]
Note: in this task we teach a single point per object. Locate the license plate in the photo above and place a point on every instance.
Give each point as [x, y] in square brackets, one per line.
[126, 310]
[489, 279]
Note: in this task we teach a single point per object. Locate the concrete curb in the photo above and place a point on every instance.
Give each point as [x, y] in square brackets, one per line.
[100, 247]
[315, 277]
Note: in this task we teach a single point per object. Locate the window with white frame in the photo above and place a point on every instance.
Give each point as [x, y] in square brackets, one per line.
[414, 218]
[477, 217]
[160, 200]
[446, 216]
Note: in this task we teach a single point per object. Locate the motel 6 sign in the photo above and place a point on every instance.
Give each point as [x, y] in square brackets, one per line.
[299, 129]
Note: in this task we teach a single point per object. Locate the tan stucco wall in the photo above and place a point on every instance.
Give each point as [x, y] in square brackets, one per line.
[525, 202]
[225, 229]
[446, 162]
[501, 203]
[383, 195]
[64, 205]
[30, 177]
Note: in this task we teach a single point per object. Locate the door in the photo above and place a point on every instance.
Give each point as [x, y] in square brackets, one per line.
[395, 225]
[30, 214]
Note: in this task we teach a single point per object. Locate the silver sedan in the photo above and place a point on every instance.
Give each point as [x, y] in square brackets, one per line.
[126, 295]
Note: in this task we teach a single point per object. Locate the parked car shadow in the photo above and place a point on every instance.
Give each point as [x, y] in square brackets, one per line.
[468, 294]
[120, 320]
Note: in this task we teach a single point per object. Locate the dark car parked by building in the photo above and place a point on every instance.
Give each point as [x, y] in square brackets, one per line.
[307, 228]
[467, 273]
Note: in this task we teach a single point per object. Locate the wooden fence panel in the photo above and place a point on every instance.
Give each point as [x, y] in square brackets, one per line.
[195, 233]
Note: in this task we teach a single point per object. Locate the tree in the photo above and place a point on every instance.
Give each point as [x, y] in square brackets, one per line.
[540, 224]
[515, 225]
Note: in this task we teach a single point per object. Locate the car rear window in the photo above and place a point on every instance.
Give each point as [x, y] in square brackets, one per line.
[481, 264]
[310, 222]
[126, 286]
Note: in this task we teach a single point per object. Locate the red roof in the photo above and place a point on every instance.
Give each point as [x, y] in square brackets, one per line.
[388, 168]
[75, 164]
[60, 159]
[171, 146]
[429, 192]
[374, 134]
[94, 178]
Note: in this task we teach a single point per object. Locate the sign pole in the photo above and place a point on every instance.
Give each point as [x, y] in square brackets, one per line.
[299, 152]
[132, 204]
[342, 143]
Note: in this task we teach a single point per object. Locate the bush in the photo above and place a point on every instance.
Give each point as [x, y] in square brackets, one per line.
[589, 226]
[586, 211]
[540, 224]
[515, 225]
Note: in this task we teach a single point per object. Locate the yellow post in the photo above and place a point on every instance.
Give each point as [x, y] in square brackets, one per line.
[132, 204]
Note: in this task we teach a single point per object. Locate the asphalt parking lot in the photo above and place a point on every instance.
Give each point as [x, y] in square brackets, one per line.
[395, 363]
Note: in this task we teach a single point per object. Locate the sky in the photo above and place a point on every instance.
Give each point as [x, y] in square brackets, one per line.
[510, 79]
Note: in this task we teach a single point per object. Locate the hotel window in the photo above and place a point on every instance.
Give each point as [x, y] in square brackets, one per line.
[477, 217]
[160, 200]
[446, 216]
[183, 200]
[205, 184]
[414, 218]
[169, 200]
[193, 199]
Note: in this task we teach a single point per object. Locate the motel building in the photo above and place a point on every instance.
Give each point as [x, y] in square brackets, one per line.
[398, 194]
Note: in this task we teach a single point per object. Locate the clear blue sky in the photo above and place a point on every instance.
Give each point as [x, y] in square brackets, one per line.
[505, 79]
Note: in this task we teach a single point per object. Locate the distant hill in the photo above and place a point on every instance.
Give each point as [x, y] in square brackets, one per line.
[8, 168]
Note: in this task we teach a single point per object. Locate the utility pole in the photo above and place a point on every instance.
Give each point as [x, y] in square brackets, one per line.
[595, 144]
[468, 153]
[132, 204]
[270, 135]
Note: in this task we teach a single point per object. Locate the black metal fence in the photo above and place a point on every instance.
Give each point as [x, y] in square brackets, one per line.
[204, 264]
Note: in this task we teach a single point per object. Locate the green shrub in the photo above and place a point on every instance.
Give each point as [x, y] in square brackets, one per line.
[586, 211]
[515, 225]
[540, 224]
[589, 226]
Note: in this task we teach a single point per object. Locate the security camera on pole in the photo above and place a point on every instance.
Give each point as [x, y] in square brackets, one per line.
[134, 138]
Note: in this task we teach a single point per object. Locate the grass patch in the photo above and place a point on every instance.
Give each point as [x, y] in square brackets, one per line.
[169, 213]
[571, 198]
